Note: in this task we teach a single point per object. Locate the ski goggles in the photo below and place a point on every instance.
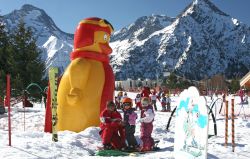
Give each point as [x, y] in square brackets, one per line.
[126, 104]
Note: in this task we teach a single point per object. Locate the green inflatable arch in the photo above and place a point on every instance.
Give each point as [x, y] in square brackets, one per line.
[35, 85]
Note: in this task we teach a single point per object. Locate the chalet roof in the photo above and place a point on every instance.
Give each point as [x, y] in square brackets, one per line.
[245, 80]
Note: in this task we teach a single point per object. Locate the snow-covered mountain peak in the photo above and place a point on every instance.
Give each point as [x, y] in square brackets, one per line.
[201, 42]
[206, 6]
[142, 27]
[55, 44]
[35, 18]
[29, 7]
[201, 9]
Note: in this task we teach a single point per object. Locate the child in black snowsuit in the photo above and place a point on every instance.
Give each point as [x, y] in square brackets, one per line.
[129, 119]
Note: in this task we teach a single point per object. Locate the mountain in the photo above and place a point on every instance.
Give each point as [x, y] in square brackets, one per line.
[55, 44]
[201, 42]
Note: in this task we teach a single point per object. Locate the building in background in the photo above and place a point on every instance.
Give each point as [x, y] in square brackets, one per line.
[135, 85]
[245, 81]
[215, 83]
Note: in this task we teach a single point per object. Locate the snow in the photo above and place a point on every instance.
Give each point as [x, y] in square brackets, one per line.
[51, 46]
[243, 39]
[30, 142]
[184, 55]
[33, 15]
[138, 32]
[235, 21]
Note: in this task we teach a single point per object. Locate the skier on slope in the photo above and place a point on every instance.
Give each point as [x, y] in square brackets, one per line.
[138, 101]
[153, 98]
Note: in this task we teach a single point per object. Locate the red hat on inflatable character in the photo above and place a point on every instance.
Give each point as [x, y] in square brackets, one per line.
[93, 35]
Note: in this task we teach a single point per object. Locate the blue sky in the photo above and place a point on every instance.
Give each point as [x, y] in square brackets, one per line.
[67, 13]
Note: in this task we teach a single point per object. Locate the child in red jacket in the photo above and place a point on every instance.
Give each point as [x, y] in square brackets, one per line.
[112, 131]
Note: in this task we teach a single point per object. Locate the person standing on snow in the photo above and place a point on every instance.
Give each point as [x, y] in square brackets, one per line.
[145, 92]
[125, 95]
[147, 118]
[168, 101]
[138, 101]
[153, 98]
[129, 120]
[163, 102]
[119, 99]
[111, 125]
[241, 94]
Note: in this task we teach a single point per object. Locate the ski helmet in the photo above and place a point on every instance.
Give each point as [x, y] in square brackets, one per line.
[127, 101]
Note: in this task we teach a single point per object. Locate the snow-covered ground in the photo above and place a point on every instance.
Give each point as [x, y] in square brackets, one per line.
[30, 142]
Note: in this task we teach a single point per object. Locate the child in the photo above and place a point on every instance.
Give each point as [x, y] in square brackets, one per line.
[153, 98]
[168, 101]
[163, 102]
[119, 99]
[138, 101]
[111, 124]
[147, 118]
[125, 95]
[245, 99]
[117, 102]
[241, 94]
[129, 122]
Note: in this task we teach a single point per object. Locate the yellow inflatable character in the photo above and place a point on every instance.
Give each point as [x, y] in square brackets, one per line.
[88, 82]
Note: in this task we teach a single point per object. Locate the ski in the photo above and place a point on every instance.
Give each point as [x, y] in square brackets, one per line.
[110, 152]
[53, 71]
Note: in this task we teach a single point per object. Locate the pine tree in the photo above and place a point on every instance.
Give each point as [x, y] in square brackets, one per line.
[234, 86]
[5, 56]
[27, 66]
[171, 81]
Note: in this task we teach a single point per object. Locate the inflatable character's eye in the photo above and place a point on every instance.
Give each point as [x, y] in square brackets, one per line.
[105, 37]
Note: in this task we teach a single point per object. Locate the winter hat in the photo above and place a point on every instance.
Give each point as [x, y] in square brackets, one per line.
[138, 95]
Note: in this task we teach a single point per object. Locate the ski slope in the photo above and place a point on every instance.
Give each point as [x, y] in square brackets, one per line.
[30, 142]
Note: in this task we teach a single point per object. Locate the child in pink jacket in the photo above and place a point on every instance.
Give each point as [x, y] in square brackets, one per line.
[129, 120]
